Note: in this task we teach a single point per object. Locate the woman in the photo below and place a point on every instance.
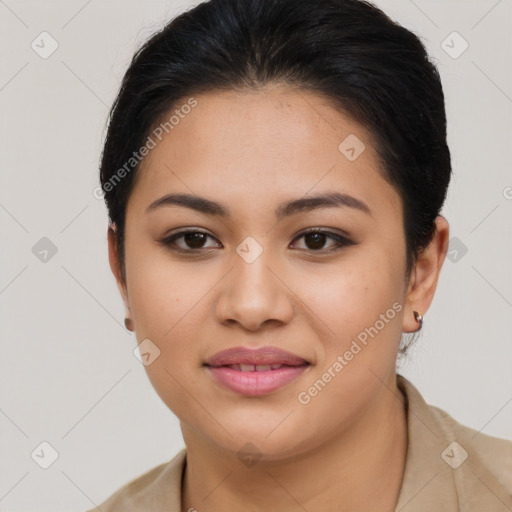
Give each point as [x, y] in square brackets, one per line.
[274, 172]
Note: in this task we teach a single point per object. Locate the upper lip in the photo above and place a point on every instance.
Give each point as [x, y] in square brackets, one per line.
[255, 356]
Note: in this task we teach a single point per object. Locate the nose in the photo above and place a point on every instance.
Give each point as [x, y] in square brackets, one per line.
[254, 295]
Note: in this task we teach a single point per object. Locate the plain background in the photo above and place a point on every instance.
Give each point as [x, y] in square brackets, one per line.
[68, 373]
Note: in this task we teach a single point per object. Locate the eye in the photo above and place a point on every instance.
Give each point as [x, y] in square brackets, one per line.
[316, 238]
[190, 240]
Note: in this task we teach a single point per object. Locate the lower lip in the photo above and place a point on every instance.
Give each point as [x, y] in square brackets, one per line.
[256, 383]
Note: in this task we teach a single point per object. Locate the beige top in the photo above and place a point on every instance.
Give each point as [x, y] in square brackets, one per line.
[449, 467]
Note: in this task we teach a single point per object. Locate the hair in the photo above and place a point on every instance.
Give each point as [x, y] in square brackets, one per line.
[349, 51]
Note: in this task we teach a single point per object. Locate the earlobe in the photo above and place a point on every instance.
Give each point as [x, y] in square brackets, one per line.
[425, 276]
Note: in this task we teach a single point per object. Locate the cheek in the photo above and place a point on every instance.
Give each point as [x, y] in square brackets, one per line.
[364, 308]
[352, 296]
[161, 291]
[165, 299]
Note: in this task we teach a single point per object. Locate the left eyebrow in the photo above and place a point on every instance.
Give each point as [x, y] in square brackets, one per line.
[209, 207]
[329, 200]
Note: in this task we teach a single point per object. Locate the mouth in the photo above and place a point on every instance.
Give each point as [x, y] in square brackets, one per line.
[255, 372]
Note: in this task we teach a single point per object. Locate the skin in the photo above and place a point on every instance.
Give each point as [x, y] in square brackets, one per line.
[251, 151]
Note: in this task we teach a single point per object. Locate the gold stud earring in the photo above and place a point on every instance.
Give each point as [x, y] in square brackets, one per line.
[419, 319]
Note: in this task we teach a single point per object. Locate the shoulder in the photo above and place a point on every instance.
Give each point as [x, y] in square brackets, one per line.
[157, 489]
[458, 468]
[492, 454]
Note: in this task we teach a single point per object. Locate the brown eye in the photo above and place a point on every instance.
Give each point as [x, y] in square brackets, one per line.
[195, 240]
[189, 241]
[315, 240]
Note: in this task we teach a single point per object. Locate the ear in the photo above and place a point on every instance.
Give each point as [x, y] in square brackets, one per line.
[115, 266]
[425, 275]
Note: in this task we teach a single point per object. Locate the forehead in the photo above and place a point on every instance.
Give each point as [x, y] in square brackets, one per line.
[276, 142]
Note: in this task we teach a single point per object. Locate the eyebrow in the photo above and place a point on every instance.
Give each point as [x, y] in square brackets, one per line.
[292, 207]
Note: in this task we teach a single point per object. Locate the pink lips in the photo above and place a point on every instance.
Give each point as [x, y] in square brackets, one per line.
[255, 372]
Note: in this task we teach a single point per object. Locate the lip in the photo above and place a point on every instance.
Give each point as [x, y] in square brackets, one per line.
[260, 356]
[225, 368]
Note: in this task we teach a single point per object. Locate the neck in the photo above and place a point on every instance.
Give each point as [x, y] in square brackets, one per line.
[359, 469]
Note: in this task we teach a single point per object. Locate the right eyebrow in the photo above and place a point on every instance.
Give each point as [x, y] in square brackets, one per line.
[200, 204]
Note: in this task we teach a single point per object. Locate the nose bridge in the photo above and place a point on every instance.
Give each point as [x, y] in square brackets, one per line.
[251, 272]
[252, 293]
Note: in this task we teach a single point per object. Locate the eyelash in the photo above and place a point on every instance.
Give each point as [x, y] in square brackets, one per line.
[340, 240]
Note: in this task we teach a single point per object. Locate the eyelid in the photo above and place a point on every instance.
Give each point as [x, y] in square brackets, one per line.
[327, 231]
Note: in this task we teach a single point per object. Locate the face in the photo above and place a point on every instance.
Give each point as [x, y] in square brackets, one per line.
[245, 273]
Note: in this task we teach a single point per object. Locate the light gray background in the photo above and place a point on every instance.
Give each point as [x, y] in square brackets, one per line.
[68, 373]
